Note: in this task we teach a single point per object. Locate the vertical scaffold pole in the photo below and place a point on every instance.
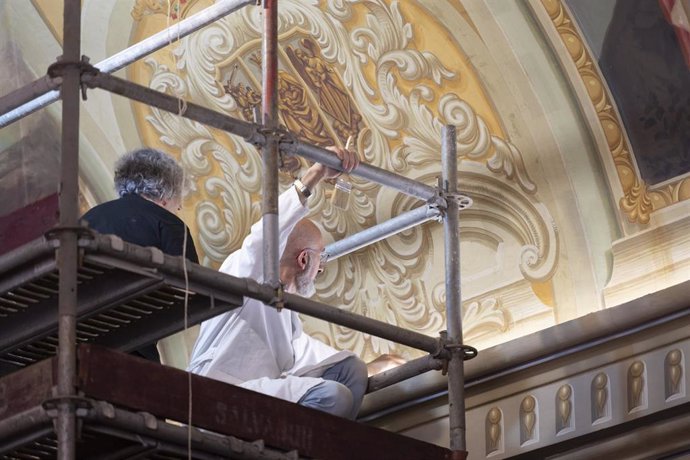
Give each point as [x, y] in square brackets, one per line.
[69, 215]
[456, 377]
[270, 150]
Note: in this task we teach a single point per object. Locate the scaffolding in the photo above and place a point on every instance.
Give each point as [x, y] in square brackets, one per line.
[72, 75]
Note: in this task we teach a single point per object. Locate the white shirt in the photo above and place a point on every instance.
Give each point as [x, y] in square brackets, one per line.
[255, 346]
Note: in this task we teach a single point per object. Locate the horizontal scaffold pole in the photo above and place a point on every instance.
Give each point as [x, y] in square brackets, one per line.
[365, 171]
[41, 93]
[223, 283]
[253, 132]
[172, 104]
[16, 104]
[403, 372]
[383, 230]
[361, 323]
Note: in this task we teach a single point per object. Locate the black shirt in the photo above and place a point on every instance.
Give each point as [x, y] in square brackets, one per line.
[143, 222]
[140, 221]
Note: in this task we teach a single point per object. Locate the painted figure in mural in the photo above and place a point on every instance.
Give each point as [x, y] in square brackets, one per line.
[297, 114]
[650, 82]
[330, 92]
[149, 183]
[265, 350]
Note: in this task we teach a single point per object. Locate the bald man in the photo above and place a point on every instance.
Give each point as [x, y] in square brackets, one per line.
[262, 349]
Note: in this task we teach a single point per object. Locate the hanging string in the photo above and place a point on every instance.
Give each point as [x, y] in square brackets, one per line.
[181, 107]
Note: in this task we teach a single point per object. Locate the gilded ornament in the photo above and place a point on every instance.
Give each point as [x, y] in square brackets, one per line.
[493, 426]
[529, 416]
[600, 395]
[635, 384]
[564, 405]
[674, 372]
[637, 203]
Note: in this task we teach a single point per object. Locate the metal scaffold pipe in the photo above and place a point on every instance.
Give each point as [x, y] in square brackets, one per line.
[28, 98]
[67, 254]
[403, 372]
[365, 171]
[456, 377]
[362, 323]
[171, 104]
[41, 93]
[226, 284]
[383, 230]
[270, 152]
[252, 132]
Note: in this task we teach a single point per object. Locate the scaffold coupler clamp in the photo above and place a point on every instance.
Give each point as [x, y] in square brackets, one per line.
[438, 201]
[258, 291]
[260, 136]
[449, 347]
[278, 301]
[442, 352]
[84, 236]
[57, 69]
[436, 207]
[443, 197]
[81, 406]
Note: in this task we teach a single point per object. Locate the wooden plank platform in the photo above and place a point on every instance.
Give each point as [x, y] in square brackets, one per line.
[137, 385]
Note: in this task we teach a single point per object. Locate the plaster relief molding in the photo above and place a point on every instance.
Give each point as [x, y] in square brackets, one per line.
[535, 412]
[675, 370]
[500, 208]
[506, 313]
[564, 409]
[529, 420]
[402, 96]
[494, 431]
[639, 200]
[651, 260]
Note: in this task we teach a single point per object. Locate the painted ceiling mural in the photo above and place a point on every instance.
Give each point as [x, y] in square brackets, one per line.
[563, 222]
[388, 73]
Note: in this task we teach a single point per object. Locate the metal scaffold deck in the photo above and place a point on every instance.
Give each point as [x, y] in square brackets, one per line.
[66, 296]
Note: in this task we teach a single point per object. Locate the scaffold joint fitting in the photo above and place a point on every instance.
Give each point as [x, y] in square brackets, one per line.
[261, 135]
[278, 301]
[57, 69]
[80, 404]
[443, 197]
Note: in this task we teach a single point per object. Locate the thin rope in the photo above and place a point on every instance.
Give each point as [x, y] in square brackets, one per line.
[181, 108]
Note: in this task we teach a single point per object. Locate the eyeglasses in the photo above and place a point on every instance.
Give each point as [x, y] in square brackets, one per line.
[323, 257]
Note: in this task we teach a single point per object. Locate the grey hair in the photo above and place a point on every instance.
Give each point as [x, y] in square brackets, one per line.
[149, 173]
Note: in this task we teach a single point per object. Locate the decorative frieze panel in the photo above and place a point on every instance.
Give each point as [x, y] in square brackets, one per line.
[537, 411]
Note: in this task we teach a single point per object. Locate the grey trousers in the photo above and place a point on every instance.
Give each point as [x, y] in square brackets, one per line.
[343, 390]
